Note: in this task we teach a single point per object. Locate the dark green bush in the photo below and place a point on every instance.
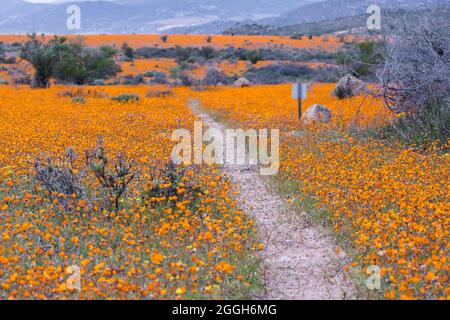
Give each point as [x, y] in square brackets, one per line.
[67, 61]
[421, 129]
[126, 97]
[342, 92]
[361, 59]
[127, 51]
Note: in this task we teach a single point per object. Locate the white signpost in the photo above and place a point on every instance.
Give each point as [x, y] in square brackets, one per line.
[299, 91]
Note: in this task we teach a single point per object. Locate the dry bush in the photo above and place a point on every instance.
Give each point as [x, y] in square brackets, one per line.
[60, 179]
[65, 183]
[114, 177]
[82, 92]
[415, 78]
[159, 93]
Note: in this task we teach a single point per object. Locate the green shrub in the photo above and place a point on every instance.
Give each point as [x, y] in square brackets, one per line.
[126, 97]
[342, 92]
[361, 59]
[79, 99]
[421, 129]
[68, 61]
[128, 52]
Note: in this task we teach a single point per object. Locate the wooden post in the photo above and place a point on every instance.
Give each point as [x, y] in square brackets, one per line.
[299, 107]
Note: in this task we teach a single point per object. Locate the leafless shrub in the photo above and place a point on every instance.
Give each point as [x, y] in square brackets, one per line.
[20, 77]
[415, 78]
[65, 183]
[82, 92]
[60, 180]
[159, 93]
[416, 73]
[114, 177]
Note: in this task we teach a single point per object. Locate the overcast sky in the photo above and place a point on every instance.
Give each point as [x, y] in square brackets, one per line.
[53, 1]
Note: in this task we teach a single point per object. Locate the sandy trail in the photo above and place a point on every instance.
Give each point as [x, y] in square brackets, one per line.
[299, 260]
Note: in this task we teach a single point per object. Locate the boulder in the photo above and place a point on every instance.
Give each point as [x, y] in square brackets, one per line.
[98, 82]
[349, 86]
[317, 113]
[242, 82]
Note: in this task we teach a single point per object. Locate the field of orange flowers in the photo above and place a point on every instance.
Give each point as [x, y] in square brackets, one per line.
[388, 204]
[165, 65]
[328, 43]
[141, 66]
[194, 243]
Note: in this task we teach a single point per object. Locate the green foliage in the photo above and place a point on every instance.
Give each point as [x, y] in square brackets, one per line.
[421, 129]
[68, 61]
[208, 52]
[183, 54]
[80, 64]
[127, 51]
[362, 58]
[126, 97]
[342, 92]
[164, 38]
[79, 100]
[43, 56]
[173, 176]
[156, 77]
[253, 56]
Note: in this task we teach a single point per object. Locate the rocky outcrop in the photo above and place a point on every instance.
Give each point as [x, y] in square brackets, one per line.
[349, 86]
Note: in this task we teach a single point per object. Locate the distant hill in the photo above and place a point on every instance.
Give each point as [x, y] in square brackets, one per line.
[315, 18]
[334, 9]
[136, 16]
[353, 24]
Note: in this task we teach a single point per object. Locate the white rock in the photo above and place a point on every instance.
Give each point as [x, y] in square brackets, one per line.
[317, 113]
[242, 82]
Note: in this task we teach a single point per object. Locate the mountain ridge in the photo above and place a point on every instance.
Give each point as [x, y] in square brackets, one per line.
[152, 16]
[175, 16]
